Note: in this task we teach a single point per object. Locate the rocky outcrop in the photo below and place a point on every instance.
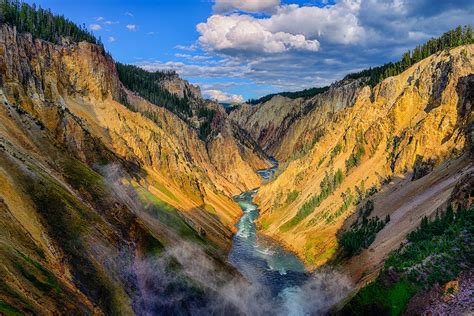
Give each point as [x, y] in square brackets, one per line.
[174, 84]
[417, 119]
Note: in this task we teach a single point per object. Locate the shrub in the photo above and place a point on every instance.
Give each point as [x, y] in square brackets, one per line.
[330, 182]
[436, 252]
[292, 196]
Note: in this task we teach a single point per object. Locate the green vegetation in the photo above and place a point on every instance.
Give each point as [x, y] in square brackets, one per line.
[379, 298]
[65, 218]
[362, 235]
[357, 153]
[422, 167]
[321, 161]
[306, 94]
[6, 309]
[355, 157]
[336, 150]
[453, 38]
[435, 253]
[166, 214]
[207, 115]
[438, 250]
[41, 23]
[292, 196]
[148, 85]
[328, 185]
[39, 277]
[347, 198]
[84, 179]
[165, 190]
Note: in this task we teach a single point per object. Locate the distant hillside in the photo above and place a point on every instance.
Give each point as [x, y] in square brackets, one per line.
[307, 93]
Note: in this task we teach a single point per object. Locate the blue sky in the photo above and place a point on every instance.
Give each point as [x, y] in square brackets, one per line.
[240, 49]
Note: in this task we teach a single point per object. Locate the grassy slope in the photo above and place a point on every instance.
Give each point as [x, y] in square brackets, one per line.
[436, 252]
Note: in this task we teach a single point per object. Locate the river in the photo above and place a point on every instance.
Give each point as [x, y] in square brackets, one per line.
[261, 260]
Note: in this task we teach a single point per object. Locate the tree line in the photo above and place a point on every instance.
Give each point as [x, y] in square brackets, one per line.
[306, 94]
[453, 38]
[42, 24]
[147, 85]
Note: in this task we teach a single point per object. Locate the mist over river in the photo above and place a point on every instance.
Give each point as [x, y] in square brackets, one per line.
[265, 263]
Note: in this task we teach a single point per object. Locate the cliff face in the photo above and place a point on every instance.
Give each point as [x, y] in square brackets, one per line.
[288, 128]
[90, 187]
[400, 130]
[46, 80]
[180, 87]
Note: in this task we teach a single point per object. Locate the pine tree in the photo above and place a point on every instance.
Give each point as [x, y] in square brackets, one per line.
[453, 38]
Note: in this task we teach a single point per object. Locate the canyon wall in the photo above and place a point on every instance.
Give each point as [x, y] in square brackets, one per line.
[399, 135]
[91, 186]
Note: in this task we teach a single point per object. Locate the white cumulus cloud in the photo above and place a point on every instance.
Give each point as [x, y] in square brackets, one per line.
[242, 33]
[95, 27]
[255, 6]
[221, 96]
[337, 23]
[111, 39]
[289, 28]
[131, 27]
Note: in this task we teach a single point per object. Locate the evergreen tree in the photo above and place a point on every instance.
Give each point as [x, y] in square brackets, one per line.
[147, 85]
[453, 38]
[42, 23]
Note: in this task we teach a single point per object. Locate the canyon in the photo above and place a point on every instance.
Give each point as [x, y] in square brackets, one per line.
[111, 204]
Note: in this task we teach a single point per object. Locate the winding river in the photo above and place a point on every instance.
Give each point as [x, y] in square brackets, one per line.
[261, 260]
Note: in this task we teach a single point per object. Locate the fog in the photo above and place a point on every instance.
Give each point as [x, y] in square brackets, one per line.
[185, 280]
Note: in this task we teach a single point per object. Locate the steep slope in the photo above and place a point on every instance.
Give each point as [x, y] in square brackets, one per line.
[288, 128]
[104, 207]
[398, 131]
[45, 81]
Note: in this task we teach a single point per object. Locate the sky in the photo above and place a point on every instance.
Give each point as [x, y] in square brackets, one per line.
[241, 49]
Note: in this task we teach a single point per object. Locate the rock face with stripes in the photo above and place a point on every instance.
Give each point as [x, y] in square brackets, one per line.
[404, 132]
[91, 185]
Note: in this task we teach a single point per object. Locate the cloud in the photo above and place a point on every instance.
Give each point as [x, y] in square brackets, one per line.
[131, 27]
[254, 6]
[221, 96]
[227, 69]
[110, 22]
[130, 14]
[192, 57]
[95, 27]
[243, 33]
[111, 39]
[292, 47]
[220, 85]
[337, 23]
[190, 48]
[288, 28]
[100, 18]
